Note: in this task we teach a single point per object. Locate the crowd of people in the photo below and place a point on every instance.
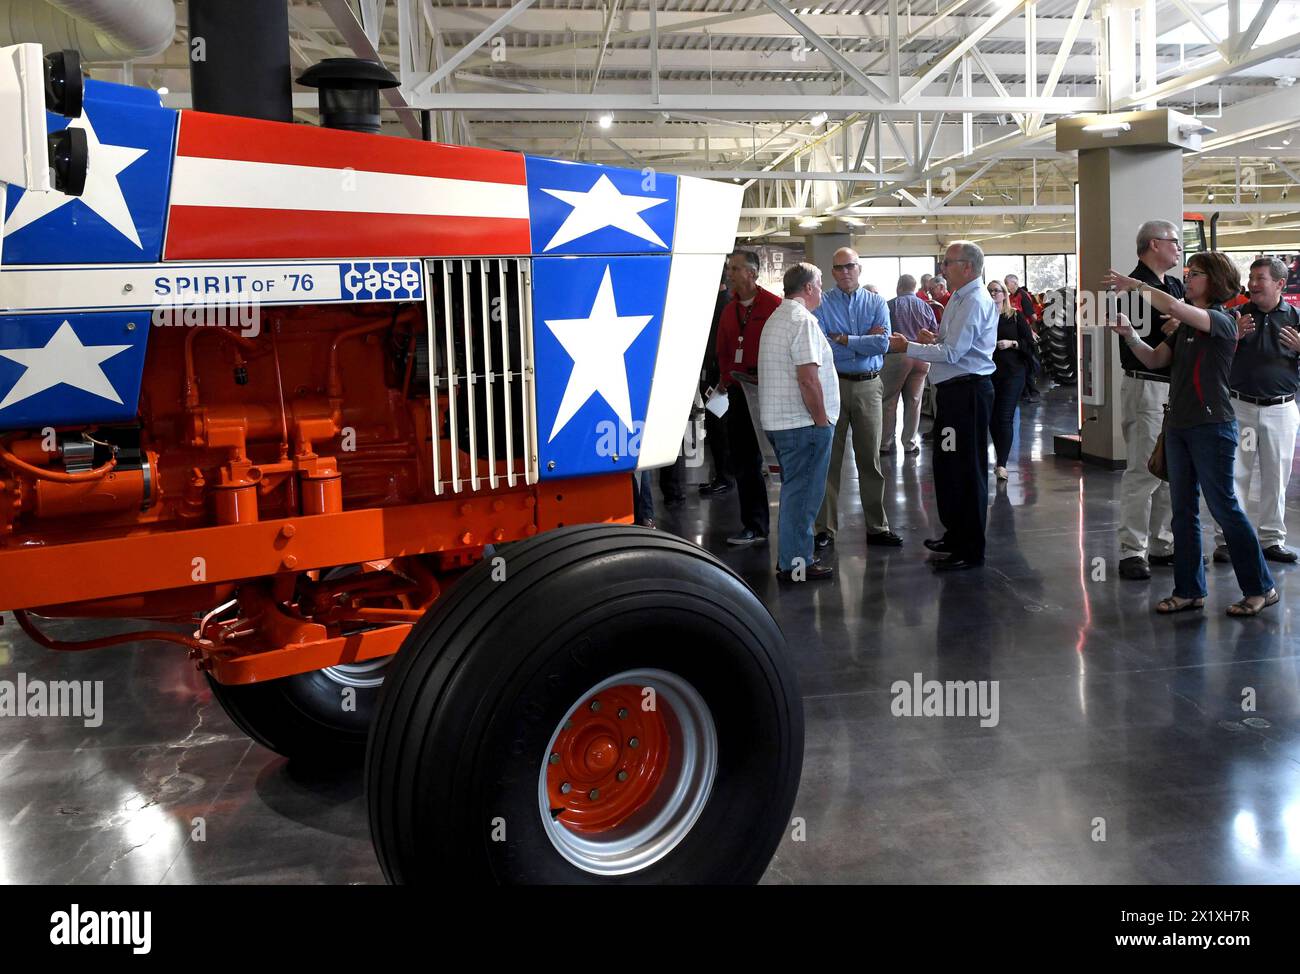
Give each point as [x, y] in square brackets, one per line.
[816, 366]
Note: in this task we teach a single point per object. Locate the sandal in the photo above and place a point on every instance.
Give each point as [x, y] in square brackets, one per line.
[1243, 607]
[1175, 604]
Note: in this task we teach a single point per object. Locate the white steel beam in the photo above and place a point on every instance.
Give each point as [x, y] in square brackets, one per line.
[1221, 68]
[831, 53]
[933, 70]
[767, 104]
[1248, 38]
[461, 56]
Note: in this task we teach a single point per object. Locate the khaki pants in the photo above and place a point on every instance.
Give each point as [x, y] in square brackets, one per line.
[904, 375]
[1274, 449]
[860, 410]
[1144, 499]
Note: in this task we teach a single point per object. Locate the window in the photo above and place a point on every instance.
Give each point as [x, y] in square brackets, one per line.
[1071, 270]
[918, 267]
[1045, 272]
[1000, 265]
[880, 271]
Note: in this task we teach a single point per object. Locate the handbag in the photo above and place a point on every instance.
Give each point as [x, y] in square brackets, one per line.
[1156, 465]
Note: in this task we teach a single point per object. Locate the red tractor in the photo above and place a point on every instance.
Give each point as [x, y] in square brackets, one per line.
[361, 414]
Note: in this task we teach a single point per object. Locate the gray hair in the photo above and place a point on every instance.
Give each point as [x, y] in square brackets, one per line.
[940, 280]
[971, 252]
[1276, 268]
[1151, 230]
[799, 276]
[906, 284]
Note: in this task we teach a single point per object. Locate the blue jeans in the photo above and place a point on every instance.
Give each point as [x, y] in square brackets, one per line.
[805, 458]
[1202, 457]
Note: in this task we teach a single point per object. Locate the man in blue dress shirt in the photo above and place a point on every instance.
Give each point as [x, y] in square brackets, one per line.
[856, 322]
[961, 366]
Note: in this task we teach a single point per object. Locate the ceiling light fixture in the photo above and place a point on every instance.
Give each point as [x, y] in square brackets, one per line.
[1108, 130]
[606, 120]
[818, 120]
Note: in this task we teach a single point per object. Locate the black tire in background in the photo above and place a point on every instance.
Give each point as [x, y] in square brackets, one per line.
[483, 682]
[304, 717]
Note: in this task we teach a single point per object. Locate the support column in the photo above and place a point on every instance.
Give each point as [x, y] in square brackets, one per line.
[1130, 171]
[819, 248]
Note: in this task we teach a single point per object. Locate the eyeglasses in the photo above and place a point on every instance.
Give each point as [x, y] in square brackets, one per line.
[842, 267]
[996, 290]
[1196, 273]
[1172, 240]
[955, 260]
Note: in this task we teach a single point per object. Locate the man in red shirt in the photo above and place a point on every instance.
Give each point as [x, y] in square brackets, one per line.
[739, 331]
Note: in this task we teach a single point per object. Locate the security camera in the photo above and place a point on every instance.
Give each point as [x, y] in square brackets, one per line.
[69, 159]
[64, 88]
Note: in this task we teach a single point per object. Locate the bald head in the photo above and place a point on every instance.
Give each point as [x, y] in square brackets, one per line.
[845, 267]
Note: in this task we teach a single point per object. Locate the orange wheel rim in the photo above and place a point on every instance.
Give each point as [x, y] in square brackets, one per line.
[607, 760]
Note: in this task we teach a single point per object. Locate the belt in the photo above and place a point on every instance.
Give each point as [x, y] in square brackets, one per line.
[1152, 376]
[970, 377]
[1259, 401]
[859, 376]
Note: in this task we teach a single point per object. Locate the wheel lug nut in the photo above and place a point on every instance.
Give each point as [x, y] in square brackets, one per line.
[595, 705]
[622, 776]
[622, 713]
[555, 759]
[634, 742]
[593, 794]
[565, 788]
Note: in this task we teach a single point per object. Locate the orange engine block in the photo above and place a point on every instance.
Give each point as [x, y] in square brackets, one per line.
[288, 472]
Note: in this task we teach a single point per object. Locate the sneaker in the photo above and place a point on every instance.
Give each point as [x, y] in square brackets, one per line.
[746, 538]
[1223, 558]
[714, 487]
[1134, 568]
[823, 539]
[1278, 553]
[1000, 473]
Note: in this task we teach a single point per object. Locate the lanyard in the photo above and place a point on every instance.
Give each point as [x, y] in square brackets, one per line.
[745, 320]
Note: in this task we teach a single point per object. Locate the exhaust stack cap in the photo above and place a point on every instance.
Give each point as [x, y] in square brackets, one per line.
[349, 92]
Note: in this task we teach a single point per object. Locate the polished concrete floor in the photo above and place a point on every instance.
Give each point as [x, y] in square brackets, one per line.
[1121, 753]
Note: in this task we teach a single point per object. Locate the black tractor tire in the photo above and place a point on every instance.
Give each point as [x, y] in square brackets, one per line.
[308, 717]
[501, 666]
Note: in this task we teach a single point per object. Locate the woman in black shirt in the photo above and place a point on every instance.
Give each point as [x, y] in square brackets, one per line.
[1201, 430]
[1013, 356]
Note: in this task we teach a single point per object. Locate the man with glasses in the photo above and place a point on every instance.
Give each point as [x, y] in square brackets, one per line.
[1265, 380]
[1144, 498]
[961, 358]
[856, 322]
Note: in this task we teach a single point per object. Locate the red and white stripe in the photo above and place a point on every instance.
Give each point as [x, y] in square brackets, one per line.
[247, 189]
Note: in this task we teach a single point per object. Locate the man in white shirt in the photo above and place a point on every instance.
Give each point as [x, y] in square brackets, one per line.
[799, 402]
